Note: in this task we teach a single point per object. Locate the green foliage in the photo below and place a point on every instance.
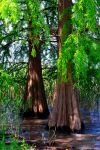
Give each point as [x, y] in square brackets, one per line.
[79, 45]
[81, 63]
[36, 17]
[28, 12]
[10, 102]
[82, 49]
[10, 105]
[18, 73]
[33, 53]
[49, 77]
[7, 83]
[33, 18]
[84, 15]
[9, 10]
[14, 145]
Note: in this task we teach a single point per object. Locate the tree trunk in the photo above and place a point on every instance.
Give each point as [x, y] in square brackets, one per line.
[35, 95]
[65, 111]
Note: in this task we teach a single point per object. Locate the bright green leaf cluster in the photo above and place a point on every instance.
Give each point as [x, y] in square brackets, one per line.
[33, 53]
[9, 10]
[81, 62]
[80, 47]
[84, 15]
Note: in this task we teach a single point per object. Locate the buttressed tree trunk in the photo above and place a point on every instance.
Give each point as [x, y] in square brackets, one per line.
[35, 94]
[65, 111]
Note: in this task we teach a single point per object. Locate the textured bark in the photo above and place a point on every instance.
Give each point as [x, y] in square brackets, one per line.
[35, 94]
[65, 111]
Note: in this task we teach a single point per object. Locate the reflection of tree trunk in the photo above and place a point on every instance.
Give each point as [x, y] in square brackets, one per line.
[66, 107]
[35, 94]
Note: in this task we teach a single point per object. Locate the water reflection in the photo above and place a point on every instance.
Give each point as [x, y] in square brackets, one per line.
[91, 118]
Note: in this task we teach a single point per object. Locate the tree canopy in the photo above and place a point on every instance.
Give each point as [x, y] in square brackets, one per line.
[81, 47]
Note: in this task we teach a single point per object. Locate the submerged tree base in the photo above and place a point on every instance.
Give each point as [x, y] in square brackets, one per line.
[29, 114]
[66, 130]
[66, 108]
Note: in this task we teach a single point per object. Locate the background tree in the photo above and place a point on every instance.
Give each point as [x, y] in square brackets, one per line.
[33, 24]
[35, 94]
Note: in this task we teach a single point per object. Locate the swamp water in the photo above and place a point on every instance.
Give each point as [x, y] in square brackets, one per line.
[33, 130]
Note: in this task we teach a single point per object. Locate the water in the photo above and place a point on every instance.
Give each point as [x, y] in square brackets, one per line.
[34, 130]
[91, 119]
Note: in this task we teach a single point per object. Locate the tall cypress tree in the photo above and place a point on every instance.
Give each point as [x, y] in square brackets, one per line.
[29, 12]
[77, 24]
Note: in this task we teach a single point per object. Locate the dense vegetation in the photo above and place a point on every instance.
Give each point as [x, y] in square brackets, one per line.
[46, 44]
